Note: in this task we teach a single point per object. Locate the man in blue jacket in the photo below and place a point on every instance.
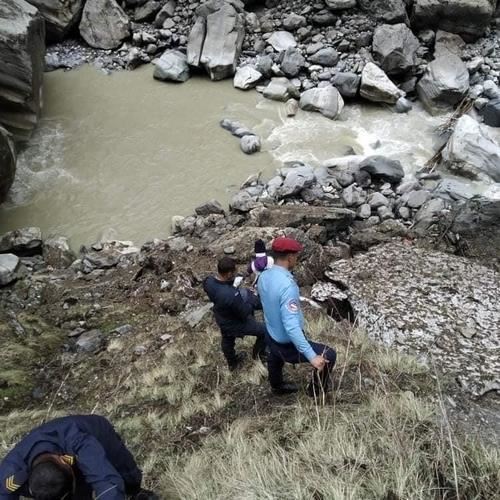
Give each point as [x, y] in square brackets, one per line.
[280, 298]
[72, 458]
[234, 312]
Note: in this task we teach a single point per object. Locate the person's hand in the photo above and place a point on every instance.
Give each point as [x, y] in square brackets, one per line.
[319, 362]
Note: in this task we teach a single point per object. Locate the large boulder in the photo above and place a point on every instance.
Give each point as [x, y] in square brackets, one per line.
[326, 100]
[347, 84]
[491, 113]
[22, 60]
[395, 48]
[7, 163]
[172, 66]
[60, 15]
[390, 11]
[26, 241]
[282, 40]
[325, 57]
[57, 252]
[377, 87]
[216, 39]
[280, 89]
[444, 84]
[246, 77]
[469, 18]
[471, 152]
[292, 62]
[104, 24]
[383, 168]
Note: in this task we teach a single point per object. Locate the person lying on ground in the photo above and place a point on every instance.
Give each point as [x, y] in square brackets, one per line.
[78, 457]
[279, 294]
[234, 309]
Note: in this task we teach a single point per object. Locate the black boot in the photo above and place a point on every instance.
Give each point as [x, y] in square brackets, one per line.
[285, 388]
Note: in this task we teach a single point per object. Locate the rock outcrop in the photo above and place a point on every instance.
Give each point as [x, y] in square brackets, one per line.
[216, 39]
[469, 18]
[60, 15]
[22, 52]
[104, 24]
[7, 163]
[377, 87]
[471, 152]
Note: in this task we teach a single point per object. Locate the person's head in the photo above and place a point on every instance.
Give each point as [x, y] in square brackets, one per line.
[226, 267]
[51, 478]
[286, 252]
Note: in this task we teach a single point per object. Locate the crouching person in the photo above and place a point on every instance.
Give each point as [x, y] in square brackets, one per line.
[72, 458]
[234, 312]
[287, 343]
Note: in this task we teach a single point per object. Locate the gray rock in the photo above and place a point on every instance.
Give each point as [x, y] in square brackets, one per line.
[60, 15]
[246, 77]
[292, 106]
[491, 113]
[428, 215]
[195, 317]
[7, 163]
[491, 90]
[444, 84]
[236, 128]
[469, 18]
[90, 342]
[377, 87]
[403, 105]
[326, 101]
[347, 84]
[471, 152]
[455, 189]
[385, 213]
[417, 198]
[209, 207]
[377, 200]
[395, 48]
[22, 51]
[104, 24]
[340, 4]
[273, 185]
[344, 178]
[292, 62]
[324, 18]
[326, 57]
[172, 66]
[404, 213]
[23, 242]
[280, 89]
[243, 202]
[147, 11]
[167, 11]
[9, 265]
[57, 252]
[390, 11]
[364, 211]
[216, 39]
[264, 65]
[447, 43]
[100, 260]
[354, 196]
[282, 40]
[406, 187]
[294, 21]
[382, 168]
[250, 144]
[297, 179]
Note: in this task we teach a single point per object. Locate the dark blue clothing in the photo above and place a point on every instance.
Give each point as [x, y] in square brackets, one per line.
[233, 307]
[87, 442]
[279, 354]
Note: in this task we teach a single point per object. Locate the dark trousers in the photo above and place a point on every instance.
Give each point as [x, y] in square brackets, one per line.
[250, 328]
[279, 354]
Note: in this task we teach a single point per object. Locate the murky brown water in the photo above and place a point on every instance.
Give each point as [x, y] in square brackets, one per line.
[120, 154]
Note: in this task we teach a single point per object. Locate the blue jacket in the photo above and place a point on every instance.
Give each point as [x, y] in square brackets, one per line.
[280, 297]
[88, 442]
[232, 306]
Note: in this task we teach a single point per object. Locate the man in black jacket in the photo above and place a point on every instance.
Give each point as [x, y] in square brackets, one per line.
[234, 312]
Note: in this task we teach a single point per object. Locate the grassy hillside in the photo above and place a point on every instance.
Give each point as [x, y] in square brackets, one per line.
[201, 432]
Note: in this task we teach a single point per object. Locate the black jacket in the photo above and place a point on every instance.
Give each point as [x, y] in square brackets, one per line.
[233, 307]
[87, 442]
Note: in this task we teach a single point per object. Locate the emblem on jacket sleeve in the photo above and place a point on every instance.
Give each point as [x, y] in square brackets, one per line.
[293, 306]
[11, 485]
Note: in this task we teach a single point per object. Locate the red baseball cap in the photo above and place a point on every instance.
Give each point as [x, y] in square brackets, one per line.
[287, 245]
